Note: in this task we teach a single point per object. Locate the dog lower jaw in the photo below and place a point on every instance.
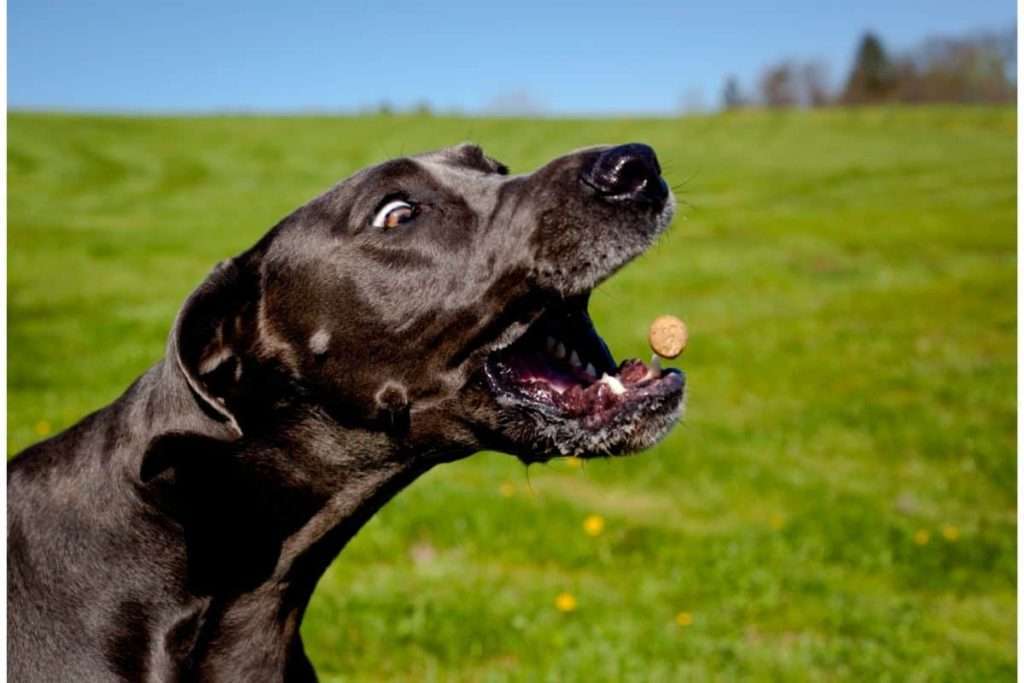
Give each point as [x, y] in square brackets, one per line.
[536, 436]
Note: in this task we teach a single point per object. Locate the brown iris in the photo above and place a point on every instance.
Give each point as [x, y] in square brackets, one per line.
[397, 216]
[394, 213]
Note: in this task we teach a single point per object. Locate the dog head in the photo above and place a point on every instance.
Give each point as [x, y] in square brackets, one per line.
[440, 300]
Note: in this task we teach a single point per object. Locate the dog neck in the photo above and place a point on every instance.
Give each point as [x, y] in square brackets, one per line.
[260, 517]
[215, 541]
[250, 631]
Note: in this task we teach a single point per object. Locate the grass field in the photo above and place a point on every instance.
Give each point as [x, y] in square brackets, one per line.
[840, 503]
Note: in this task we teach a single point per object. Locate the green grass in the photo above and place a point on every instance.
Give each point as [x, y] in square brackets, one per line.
[848, 279]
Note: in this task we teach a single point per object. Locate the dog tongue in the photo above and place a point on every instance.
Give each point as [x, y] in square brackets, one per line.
[633, 371]
[596, 397]
[607, 391]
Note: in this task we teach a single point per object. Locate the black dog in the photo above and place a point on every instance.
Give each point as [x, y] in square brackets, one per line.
[420, 311]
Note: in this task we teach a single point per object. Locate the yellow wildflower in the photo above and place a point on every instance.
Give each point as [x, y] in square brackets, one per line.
[593, 525]
[565, 602]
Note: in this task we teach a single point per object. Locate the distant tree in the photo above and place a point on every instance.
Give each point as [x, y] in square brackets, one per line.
[978, 67]
[779, 87]
[732, 96]
[970, 69]
[1006, 42]
[790, 83]
[518, 102]
[814, 84]
[871, 79]
[423, 108]
[692, 101]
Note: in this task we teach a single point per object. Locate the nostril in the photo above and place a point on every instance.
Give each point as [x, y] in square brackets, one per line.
[633, 176]
[626, 172]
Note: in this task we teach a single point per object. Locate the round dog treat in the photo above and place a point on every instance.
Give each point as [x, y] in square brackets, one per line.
[667, 336]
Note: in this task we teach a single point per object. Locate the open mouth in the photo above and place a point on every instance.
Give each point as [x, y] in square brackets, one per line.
[563, 368]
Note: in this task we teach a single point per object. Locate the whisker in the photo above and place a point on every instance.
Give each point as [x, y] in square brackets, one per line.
[687, 179]
[605, 291]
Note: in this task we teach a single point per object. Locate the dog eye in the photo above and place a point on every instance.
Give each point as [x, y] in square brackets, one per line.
[393, 214]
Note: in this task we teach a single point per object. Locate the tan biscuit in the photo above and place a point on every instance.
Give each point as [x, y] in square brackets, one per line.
[668, 336]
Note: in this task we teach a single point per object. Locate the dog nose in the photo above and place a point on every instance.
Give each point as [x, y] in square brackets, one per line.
[629, 172]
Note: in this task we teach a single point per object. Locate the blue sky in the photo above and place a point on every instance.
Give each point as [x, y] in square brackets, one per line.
[588, 57]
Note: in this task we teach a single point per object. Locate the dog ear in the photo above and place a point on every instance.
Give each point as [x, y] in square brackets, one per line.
[209, 339]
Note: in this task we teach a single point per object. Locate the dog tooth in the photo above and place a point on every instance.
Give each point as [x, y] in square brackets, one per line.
[574, 360]
[560, 350]
[591, 370]
[614, 384]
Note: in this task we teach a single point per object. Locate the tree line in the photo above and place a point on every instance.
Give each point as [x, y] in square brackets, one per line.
[971, 69]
